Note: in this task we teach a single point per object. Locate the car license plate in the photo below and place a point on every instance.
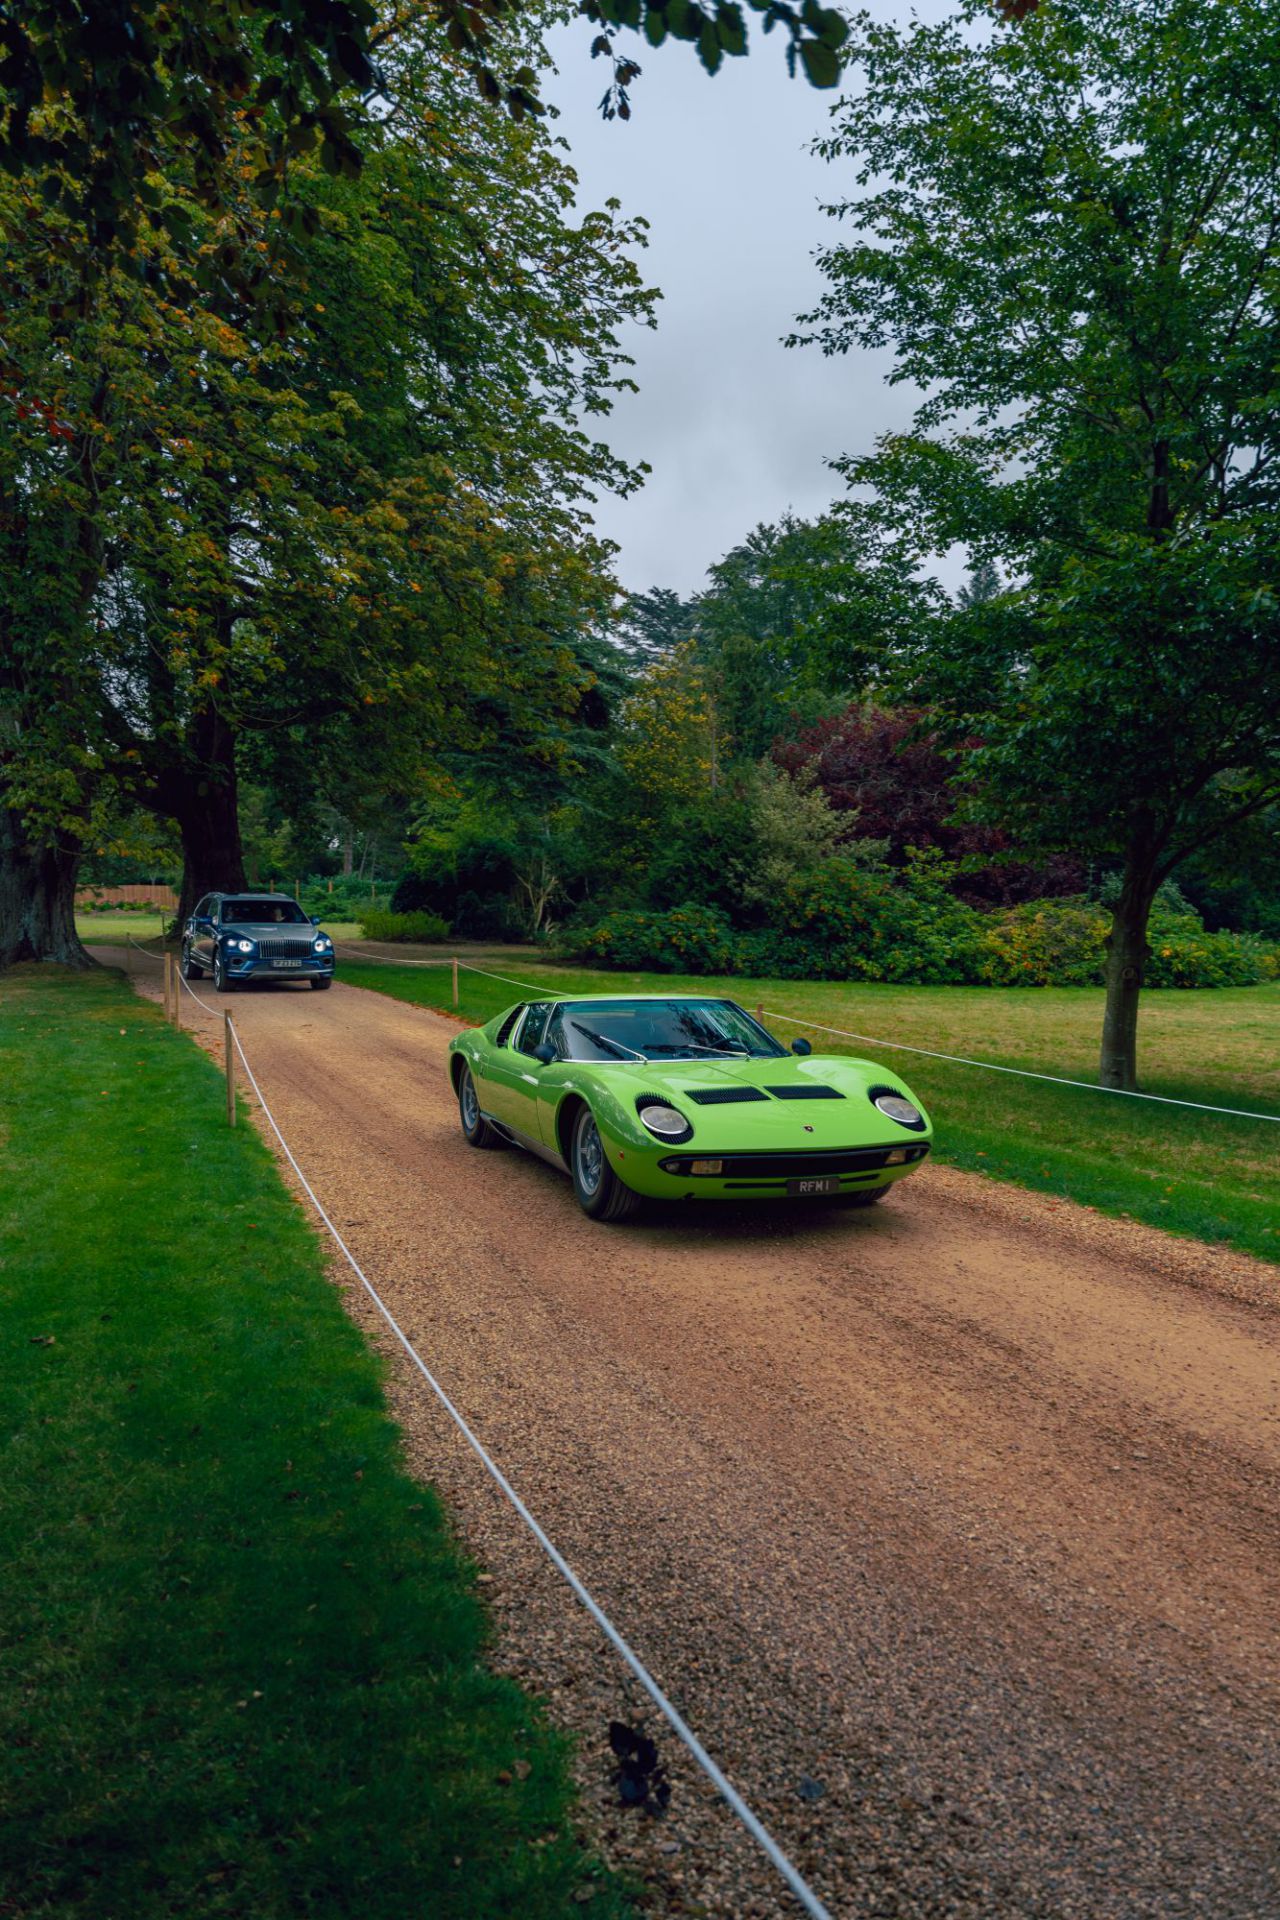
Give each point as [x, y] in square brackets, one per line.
[286, 963]
[819, 1183]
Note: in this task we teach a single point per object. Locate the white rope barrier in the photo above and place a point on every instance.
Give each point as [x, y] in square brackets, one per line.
[898, 1046]
[807, 1898]
[1022, 1073]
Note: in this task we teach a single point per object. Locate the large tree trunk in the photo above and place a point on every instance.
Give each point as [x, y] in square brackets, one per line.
[37, 899]
[1127, 956]
[203, 801]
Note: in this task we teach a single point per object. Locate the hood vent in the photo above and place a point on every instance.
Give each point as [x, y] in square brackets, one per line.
[806, 1093]
[722, 1096]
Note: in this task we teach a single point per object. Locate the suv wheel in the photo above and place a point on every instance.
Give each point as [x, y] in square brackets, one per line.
[191, 970]
[601, 1195]
[221, 979]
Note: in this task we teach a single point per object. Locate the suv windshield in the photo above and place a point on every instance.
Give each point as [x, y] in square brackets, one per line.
[263, 913]
[674, 1029]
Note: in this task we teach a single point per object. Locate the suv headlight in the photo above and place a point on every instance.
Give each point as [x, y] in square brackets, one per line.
[240, 946]
[896, 1106]
[668, 1123]
[322, 943]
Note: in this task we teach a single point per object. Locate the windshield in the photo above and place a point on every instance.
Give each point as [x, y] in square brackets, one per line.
[676, 1029]
[263, 913]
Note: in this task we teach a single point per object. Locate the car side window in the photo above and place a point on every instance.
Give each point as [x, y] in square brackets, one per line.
[504, 1032]
[535, 1025]
[201, 910]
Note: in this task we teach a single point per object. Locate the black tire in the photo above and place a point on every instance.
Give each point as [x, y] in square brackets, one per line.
[601, 1195]
[476, 1130]
[321, 980]
[191, 969]
[221, 979]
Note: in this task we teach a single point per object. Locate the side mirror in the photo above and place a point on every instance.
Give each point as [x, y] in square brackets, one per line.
[314, 919]
[544, 1054]
[801, 1047]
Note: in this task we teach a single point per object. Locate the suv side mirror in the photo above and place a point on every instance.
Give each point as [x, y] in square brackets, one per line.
[801, 1046]
[314, 919]
[544, 1053]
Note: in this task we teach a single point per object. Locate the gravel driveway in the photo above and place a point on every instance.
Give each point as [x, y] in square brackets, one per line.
[951, 1527]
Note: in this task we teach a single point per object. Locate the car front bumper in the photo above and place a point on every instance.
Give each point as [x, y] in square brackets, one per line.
[252, 966]
[669, 1174]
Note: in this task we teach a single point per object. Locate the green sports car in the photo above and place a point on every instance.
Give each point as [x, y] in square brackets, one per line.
[677, 1097]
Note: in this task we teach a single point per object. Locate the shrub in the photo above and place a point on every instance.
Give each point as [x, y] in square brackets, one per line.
[377, 924]
[1184, 955]
[341, 896]
[688, 939]
[850, 921]
[1046, 943]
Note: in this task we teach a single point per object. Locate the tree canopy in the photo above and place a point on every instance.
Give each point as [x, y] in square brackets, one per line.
[1067, 234]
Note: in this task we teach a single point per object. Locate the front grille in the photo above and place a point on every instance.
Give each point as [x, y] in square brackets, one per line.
[790, 1166]
[284, 949]
[806, 1093]
[724, 1096]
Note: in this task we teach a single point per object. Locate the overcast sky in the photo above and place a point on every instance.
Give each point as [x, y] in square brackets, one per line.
[736, 426]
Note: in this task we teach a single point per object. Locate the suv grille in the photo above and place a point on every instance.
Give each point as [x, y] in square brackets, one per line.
[284, 949]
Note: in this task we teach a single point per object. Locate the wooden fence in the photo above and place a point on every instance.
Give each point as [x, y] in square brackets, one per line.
[162, 897]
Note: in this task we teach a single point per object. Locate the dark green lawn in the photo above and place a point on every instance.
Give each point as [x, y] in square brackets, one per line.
[241, 1659]
[1202, 1175]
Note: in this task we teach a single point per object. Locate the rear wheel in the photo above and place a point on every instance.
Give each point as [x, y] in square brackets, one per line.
[476, 1130]
[601, 1195]
[191, 970]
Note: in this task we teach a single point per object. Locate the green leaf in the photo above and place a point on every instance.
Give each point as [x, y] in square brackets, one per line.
[655, 27]
[710, 51]
[821, 64]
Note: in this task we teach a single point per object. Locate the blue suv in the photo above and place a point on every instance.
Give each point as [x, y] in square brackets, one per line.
[254, 936]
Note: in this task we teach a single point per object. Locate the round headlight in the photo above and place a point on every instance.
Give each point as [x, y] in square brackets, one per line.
[895, 1106]
[323, 944]
[666, 1122]
[241, 946]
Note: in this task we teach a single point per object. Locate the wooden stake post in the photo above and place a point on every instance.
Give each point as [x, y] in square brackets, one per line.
[455, 983]
[231, 1077]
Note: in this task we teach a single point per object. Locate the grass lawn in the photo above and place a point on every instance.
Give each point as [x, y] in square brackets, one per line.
[1198, 1174]
[241, 1657]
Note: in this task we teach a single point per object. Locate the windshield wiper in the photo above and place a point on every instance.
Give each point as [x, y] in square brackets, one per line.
[692, 1046]
[603, 1040]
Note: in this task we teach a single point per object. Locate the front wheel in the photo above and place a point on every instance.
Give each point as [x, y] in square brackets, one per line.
[221, 979]
[321, 980]
[601, 1195]
[476, 1130]
[863, 1197]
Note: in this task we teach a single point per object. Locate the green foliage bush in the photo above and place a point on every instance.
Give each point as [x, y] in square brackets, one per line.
[1045, 943]
[1184, 955]
[340, 897]
[688, 939]
[851, 921]
[377, 924]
